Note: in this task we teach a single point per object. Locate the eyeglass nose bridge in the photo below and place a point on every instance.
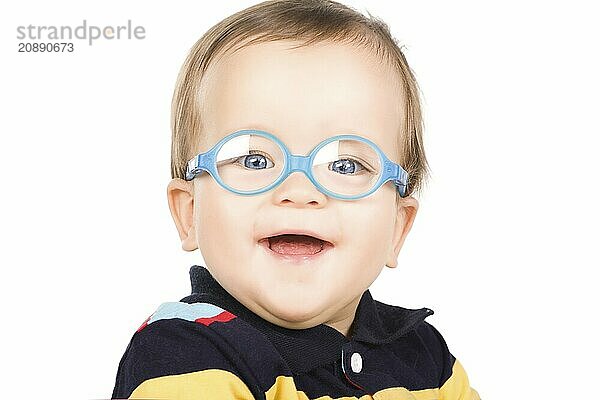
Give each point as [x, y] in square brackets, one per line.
[299, 163]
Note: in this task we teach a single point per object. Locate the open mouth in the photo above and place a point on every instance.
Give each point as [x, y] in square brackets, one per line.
[295, 245]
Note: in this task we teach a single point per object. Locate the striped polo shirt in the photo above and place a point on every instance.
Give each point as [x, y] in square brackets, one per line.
[210, 346]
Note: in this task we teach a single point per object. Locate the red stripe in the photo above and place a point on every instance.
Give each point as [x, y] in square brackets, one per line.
[144, 324]
[355, 384]
[225, 316]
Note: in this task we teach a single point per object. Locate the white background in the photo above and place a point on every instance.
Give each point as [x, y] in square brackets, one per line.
[504, 247]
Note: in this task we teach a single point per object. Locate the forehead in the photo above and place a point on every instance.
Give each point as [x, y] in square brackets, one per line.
[303, 95]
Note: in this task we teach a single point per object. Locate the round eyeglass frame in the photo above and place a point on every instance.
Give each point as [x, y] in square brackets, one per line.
[207, 162]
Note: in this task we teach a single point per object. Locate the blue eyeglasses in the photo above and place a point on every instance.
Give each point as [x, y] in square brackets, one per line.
[250, 162]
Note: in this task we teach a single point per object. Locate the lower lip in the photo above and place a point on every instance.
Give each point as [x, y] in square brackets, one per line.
[295, 258]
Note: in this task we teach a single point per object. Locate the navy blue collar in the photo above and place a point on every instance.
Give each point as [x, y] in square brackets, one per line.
[375, 323]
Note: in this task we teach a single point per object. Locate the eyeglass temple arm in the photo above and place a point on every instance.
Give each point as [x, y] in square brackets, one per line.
[195, 165]
[401, 177]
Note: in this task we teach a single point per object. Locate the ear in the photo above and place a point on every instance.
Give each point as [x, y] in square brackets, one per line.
[180, 194]
[405, 215]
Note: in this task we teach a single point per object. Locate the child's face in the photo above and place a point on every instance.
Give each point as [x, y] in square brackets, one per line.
[302, 96]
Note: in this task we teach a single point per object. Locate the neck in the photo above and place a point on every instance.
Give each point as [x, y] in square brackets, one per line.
[343, 320]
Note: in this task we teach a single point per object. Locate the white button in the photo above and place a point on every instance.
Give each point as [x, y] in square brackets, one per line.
[356, 362]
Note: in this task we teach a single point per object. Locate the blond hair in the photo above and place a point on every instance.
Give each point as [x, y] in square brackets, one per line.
[308, 21]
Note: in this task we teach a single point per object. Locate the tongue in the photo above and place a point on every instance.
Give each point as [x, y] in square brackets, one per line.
[295, 244]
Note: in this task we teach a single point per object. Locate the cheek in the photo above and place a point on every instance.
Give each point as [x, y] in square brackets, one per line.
[368, 226]
[224, 224]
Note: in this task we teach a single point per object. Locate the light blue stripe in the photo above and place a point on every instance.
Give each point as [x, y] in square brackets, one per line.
[190, 312]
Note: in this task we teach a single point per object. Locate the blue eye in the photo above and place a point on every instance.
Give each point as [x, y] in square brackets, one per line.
[346, 166]
[255, 161]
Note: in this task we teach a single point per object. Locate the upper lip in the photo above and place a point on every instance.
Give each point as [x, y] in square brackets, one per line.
[323, 237]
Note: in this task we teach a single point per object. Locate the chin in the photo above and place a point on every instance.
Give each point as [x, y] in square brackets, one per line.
[292, 310]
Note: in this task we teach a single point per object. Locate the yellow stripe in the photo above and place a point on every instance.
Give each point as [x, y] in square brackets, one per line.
[207, 384]
[220, 384]
[405, 394]
[285, 389]
[457, 387]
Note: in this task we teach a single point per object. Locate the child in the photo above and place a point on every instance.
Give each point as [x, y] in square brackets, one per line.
[296, 148]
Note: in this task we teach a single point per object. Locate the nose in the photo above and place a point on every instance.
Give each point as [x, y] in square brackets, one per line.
[297, 190]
